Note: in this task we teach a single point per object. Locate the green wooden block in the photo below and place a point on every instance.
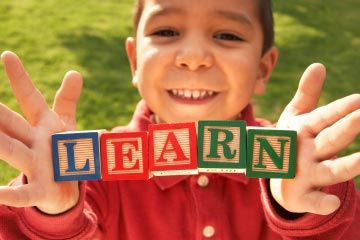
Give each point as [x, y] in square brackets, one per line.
[222, 146]
[271, 153]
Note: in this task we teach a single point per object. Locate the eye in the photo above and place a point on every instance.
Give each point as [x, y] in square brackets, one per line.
[227, 37]
[166, 33]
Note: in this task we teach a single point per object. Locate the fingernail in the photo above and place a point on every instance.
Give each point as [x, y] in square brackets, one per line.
[3, 53]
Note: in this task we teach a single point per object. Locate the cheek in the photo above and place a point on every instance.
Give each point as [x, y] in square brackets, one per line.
[241, 71]
[242, 61]
[146, 68]
[151, 64]
[150, 55]
[154, 66]
[147, 58]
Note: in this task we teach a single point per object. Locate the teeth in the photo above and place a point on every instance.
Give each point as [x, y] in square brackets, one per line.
[174, 91]
[191, 94]
[195, 94]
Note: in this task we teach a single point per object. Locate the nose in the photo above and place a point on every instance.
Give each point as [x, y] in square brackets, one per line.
[194, 55]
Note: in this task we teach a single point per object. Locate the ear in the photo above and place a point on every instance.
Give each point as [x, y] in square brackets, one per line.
[266, 66]
[130, 46]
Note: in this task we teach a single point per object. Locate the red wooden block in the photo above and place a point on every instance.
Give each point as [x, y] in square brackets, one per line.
[172, 149]
[124, 156]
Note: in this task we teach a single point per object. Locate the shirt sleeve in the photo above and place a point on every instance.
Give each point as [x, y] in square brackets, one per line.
[80, 222]
[341, 223]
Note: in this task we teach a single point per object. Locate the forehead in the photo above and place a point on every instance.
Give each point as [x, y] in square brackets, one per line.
[236, 9]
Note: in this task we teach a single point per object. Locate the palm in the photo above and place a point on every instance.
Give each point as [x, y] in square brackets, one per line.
[26, 144]
[322, 133]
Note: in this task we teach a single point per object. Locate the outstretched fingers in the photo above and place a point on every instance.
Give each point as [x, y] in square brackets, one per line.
[16, 153]
[338, 136]
[327, 115]
[15, 125]
[18, 196]
[331, 172]
[67, 97]
[31, 100]
[308, 93]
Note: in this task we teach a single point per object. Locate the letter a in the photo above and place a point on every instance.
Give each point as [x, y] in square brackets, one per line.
[172, 145]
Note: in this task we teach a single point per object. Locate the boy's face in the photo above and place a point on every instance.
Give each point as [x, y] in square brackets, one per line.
[199, 59]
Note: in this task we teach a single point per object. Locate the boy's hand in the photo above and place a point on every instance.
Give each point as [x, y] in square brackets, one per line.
[322, 133]
[26, 144]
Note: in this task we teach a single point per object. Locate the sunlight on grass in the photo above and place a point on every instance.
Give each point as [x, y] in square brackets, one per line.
[289, 31]
[6, 173]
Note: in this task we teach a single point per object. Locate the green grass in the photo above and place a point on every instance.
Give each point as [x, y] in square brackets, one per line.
[53, 37]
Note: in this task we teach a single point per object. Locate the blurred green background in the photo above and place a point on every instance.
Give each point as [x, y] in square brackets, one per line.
[52, 37]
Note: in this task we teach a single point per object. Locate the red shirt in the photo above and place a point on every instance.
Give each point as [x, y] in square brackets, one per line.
[205, 206]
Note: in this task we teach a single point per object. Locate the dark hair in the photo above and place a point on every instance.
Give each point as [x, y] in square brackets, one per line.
[265, 15]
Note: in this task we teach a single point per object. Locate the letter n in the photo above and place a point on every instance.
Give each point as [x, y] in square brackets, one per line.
[271, 153]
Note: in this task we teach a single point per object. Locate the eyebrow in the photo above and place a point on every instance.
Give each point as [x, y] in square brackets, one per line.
[158, 12]
[234, 16]
[230, 15]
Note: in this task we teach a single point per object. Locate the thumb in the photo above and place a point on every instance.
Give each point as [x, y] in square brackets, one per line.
[67, 96]
[320, 203]
[308, 93]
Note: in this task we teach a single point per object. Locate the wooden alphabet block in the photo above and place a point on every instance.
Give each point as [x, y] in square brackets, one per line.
[271, 153]
[222, 146]
[172, 149]
[124, 156]
[76, 156]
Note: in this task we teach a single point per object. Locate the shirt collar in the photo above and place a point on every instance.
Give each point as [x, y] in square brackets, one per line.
[143, 117]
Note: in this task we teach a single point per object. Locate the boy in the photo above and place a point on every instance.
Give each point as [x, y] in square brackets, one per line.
[190, 60]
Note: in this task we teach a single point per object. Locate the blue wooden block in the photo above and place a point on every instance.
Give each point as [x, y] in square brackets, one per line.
[76, 156]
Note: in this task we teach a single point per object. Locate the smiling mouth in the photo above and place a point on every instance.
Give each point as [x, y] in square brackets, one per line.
[192, 94]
